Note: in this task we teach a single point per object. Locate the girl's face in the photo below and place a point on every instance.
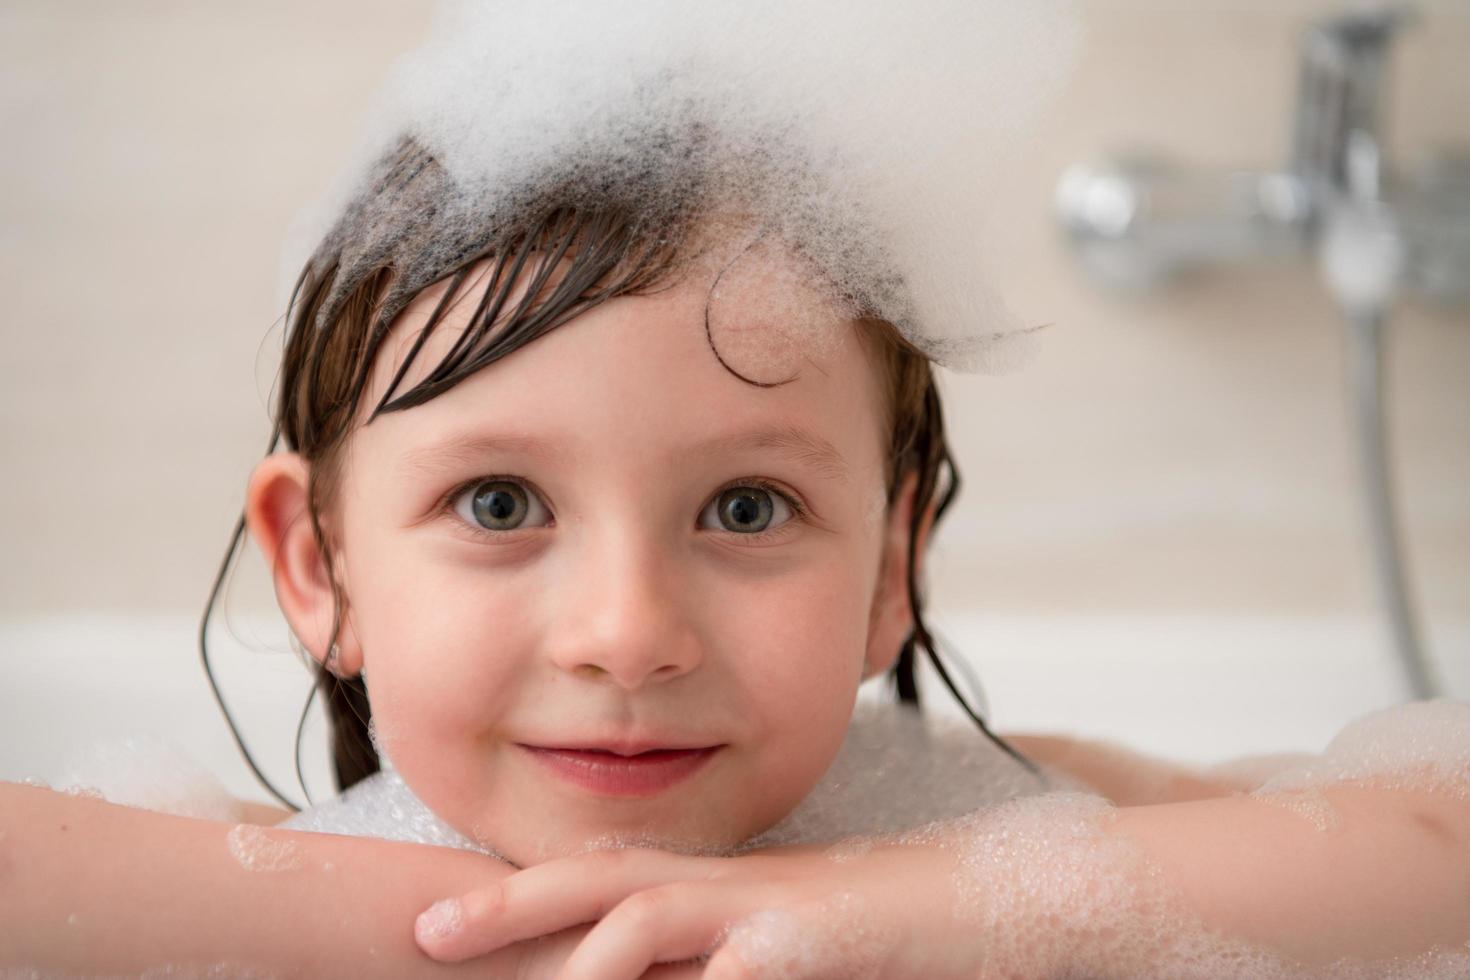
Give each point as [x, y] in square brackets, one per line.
[607, 544]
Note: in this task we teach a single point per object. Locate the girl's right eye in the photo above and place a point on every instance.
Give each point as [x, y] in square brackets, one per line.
[500, 504]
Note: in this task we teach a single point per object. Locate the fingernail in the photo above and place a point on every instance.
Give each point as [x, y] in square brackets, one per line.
[440, 920]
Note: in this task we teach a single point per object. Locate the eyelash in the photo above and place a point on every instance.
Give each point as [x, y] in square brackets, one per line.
[798, 509]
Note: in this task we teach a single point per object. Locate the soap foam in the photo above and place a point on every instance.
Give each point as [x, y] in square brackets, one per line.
[375, 737]
[1423, 745]
[896, 769]
[766, 313]
[166, 971]
[256, 849]
[381, 806]
[869, 137]
[444, 918]
[1042, 888]
[1045, 888]
[146, 771]
[1037, 879]
[777, 942]
[1310, 805]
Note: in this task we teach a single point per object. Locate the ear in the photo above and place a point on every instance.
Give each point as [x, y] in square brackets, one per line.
[279, 521]
[892, 616]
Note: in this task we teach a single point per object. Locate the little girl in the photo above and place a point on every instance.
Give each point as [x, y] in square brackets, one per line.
[612, 447]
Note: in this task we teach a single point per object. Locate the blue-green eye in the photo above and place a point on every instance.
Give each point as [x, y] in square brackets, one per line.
[500, 505]
[746, 510]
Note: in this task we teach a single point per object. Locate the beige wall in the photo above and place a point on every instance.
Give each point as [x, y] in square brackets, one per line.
[1166, 453]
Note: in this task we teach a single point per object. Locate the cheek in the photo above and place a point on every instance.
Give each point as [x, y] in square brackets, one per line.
[801, 662]
[798, 640]
[441, 650]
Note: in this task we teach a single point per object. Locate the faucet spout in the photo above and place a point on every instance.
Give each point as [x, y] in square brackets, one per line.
[1337, 132]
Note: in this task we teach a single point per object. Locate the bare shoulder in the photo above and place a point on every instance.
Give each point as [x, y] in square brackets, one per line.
[1124, 776]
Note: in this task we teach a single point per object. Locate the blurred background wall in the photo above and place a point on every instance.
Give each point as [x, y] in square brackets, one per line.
[1160, 513]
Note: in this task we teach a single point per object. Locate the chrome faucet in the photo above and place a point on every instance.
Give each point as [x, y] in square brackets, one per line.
[1138, 221]
[1334, 146]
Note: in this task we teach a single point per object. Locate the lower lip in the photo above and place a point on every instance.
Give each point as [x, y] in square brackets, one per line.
[647, 774]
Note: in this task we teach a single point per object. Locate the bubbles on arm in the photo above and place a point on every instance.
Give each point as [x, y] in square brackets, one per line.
[257, 849]
[1050, 885]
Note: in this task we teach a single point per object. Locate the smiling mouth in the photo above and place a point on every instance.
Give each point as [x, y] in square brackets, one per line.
[606, 772]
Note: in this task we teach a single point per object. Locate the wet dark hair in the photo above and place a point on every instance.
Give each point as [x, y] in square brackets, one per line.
[386, 249]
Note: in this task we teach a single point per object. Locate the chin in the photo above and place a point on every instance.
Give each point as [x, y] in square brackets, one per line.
[707, 842]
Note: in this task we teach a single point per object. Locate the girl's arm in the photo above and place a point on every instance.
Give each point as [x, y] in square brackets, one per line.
[88, 887]
[1304, 878]
[1125, 777]
[1351, 869]
[1347, 870]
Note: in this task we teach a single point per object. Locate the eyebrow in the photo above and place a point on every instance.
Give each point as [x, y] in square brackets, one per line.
[466, 450]
[794, 443]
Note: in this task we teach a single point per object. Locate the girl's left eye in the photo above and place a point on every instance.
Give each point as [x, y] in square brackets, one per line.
[748, 509]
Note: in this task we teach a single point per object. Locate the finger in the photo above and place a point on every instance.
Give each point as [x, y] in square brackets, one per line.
[660, 925]
[547, 898]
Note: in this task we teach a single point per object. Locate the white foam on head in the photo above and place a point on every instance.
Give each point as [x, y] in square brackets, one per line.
[767, 315]
[868, 135]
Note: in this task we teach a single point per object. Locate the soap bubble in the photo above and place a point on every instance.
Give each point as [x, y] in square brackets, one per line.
[146, 771]
[871, 138]
[256, 849]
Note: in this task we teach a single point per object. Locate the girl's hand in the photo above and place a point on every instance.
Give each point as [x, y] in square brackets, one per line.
[852, 910]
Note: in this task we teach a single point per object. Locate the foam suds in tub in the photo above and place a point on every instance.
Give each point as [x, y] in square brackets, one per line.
[146, 771]
[895, 770]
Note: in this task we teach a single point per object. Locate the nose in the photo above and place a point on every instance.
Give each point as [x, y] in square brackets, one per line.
[623, 618]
